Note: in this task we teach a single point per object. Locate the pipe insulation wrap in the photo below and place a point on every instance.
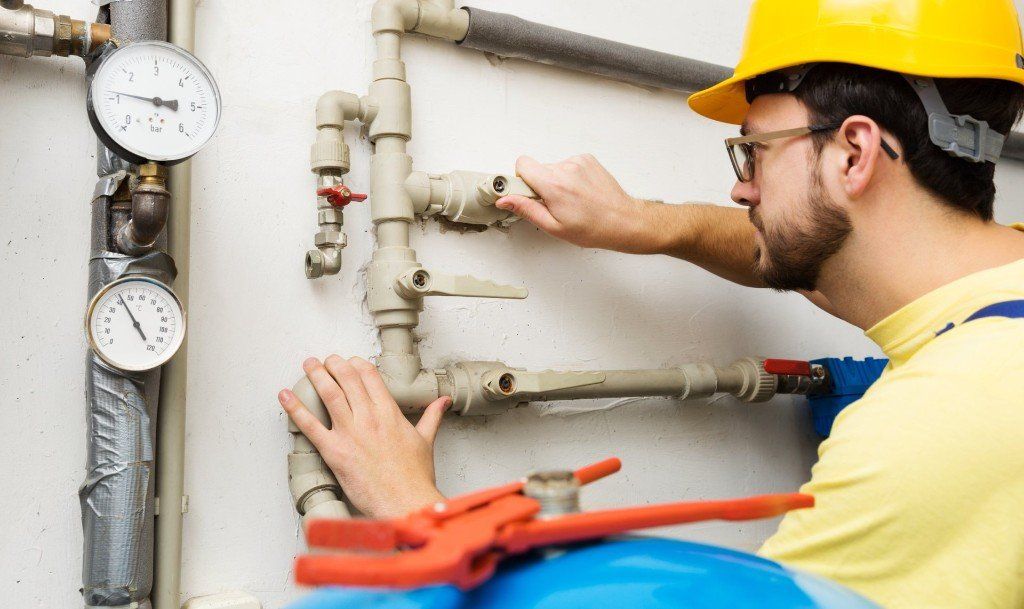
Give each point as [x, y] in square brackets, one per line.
[117, 496]
[510, 36]
[138, 20]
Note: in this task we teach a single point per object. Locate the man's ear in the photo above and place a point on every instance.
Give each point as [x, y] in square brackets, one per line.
[860, 139]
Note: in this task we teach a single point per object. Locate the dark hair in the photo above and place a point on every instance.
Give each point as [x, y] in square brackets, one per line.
[833, 91]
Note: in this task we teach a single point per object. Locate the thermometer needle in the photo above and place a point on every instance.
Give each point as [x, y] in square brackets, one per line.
[156, 101]
[135, 322]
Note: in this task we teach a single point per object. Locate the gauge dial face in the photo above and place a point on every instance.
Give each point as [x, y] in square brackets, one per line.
[153, 101]
[135, 324]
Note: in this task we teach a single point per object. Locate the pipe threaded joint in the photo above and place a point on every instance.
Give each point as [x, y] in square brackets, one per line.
[558, 492]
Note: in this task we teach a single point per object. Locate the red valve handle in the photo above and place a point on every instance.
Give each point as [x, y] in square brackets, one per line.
[787, 367]
[340, 196]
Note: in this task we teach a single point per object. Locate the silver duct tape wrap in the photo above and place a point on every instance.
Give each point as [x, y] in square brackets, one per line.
[509, 36]
[117, 496]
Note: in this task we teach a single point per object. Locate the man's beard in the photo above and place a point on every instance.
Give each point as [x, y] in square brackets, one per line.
[791, 258]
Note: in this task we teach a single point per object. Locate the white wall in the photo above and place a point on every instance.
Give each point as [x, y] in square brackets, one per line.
[254, 316]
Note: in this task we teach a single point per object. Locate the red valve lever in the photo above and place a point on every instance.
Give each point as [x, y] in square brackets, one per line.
[340, 196]
[787, 367]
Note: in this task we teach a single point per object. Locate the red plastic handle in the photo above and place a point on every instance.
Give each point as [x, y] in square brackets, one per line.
[787, 367]
[340, 196]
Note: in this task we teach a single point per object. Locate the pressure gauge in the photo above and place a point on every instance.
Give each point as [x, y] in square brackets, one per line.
[153, 101]
[135, 324]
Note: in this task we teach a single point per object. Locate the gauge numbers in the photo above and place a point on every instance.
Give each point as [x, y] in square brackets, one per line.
[135, 324]
[153, 101]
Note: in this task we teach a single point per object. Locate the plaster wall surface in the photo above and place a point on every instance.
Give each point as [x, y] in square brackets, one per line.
[254, 316]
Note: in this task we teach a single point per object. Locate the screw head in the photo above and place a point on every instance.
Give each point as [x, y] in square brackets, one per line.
[499, 184]
[507, 383]
[419, 279]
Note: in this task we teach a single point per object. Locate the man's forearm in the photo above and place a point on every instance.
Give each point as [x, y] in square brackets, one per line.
[716, 238]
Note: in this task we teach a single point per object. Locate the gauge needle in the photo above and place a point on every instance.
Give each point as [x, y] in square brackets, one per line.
[156, 101]
[135, 322]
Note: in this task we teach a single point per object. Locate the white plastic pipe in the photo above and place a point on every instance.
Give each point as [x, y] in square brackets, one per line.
[170, 481]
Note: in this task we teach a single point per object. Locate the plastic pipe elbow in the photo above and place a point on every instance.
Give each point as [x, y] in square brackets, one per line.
[394, 15]
[441, 20]
[334, 108]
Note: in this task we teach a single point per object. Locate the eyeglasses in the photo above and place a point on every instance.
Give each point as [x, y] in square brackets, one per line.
[743, 150]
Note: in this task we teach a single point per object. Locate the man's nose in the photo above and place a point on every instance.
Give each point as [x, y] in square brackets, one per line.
[745, 193]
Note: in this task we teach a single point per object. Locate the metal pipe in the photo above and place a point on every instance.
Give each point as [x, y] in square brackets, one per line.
[150, 205]
[170, 479]
[510, 36]
[30, 32]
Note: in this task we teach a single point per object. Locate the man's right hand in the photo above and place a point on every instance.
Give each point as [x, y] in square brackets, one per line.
[583, 204]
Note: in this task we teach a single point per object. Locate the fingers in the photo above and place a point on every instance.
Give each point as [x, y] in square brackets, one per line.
[430, 422]
[350, 382]
[329, 391]
[303, 418]
[531, 210]
[532, 171]
[374, 384]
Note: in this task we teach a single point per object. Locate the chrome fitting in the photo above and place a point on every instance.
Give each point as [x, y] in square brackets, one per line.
[30, 32]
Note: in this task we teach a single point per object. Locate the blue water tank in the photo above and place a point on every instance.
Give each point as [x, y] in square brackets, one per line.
[630, 573]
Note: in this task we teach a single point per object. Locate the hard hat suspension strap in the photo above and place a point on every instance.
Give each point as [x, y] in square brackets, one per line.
[960, 135]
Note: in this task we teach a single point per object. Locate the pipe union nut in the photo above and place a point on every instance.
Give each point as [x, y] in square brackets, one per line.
[314, 264]
[330, 238]
[330, 216]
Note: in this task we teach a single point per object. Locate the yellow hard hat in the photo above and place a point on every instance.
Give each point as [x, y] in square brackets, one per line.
[930, 38]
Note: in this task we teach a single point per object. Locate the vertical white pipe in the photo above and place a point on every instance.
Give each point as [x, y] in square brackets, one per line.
[171, 416]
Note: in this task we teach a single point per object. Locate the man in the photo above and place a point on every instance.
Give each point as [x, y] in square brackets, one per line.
[868, 192]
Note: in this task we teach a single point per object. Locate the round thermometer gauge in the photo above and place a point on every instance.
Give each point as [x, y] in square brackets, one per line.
[153, 101]
[135, 324]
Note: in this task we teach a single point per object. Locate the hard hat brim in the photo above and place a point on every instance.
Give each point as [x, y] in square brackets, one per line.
[725, 102]
[927, 56]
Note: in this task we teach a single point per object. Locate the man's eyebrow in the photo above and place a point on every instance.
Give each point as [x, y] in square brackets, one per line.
[747, 128]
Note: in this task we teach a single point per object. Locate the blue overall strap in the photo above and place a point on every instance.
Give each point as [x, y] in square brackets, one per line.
[1011, 309]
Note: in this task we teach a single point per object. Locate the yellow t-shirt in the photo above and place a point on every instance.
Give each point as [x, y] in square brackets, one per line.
[920, 489]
